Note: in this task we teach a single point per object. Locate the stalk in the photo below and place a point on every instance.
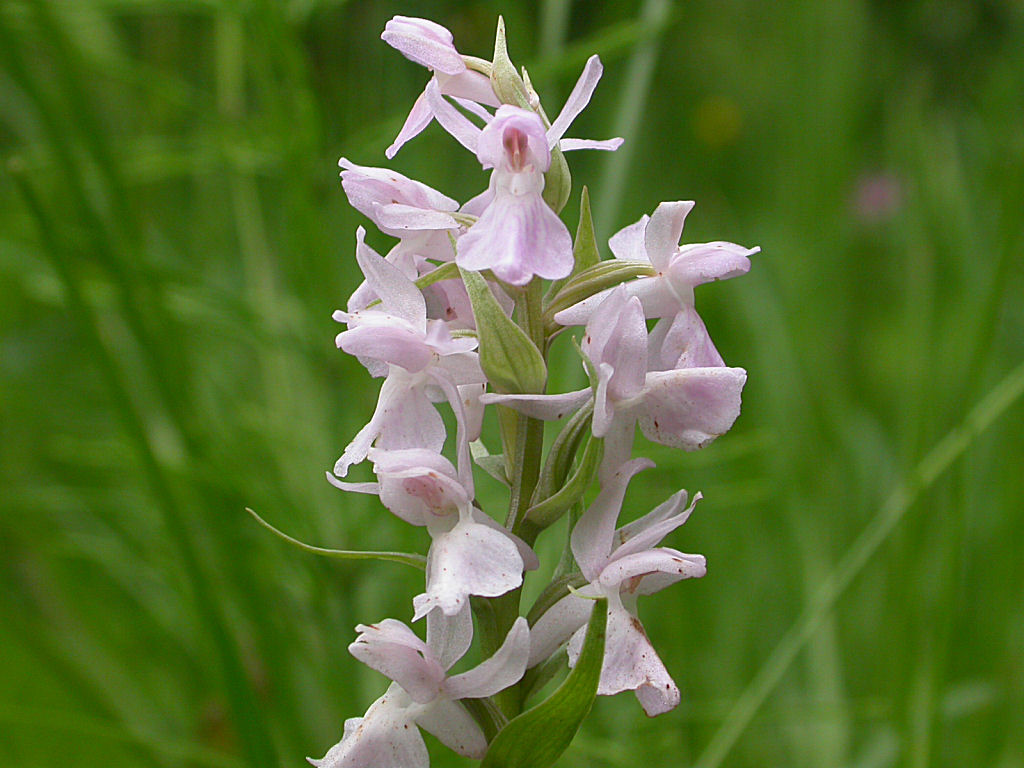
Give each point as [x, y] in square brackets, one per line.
[529, 444]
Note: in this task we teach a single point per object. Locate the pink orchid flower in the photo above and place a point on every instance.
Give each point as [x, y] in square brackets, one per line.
[518, 236]
[423, 695]
[432, 46]
[423, 363]
[470, 554]
[684, 407]
[655, 239]
[417, 214]
[621, 565]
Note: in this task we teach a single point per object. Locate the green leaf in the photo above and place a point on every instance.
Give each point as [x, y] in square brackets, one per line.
[584, 249]
[537, 737]
[510, 359]
[492, 464]
[447, 271]
[416, 561]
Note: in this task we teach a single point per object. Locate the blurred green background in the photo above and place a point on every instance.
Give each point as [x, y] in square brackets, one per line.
[173, 239]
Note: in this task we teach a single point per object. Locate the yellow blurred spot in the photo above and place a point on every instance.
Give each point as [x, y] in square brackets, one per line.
[717, 121]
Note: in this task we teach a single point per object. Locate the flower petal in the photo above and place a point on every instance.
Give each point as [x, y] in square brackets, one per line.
[530, 560]
[604, 408]
[424, 42]
[617, 336]
[364, 295]
[418, 485]
[404, 418]
[470, 89]
[398, 294]
[628, 242]
[557, 625]
[397, 216]
[661, 237]
[654, 292]
[683, 566]
[578, 99]
[699, 263]
[690, 407]
[471, 396]
[626, 572]
[591, 539]
[646, 531]
[368, 186]
[453, 727]
[517, 237]
[393, 649]
[609, 145]
[383, 738]
[504, 668]
[631, 664]
[683, 342]
[453, 121]
[470, 559]
[544, 407]
[618, 443]
[418, 119]
[386, 339]
[449, 637]
[372, 488]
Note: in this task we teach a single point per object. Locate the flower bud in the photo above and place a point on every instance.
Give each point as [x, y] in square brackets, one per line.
[505, 80]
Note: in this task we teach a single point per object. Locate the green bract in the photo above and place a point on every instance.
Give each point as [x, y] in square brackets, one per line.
[591, 281]
[550, 509]
[505, 80]
[537, 737]
[557, 181]
[512, 362]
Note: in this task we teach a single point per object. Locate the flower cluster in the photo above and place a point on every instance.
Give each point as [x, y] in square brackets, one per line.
[458, 313]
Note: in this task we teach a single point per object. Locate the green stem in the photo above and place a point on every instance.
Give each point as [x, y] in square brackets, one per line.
[502, 611]
[530, 432]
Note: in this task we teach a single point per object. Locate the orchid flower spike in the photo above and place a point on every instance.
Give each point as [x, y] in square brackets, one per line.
[423, 695]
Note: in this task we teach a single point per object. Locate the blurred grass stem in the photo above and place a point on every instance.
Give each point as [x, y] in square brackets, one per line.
[654, 16]
[937, 461]
[248, 717]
